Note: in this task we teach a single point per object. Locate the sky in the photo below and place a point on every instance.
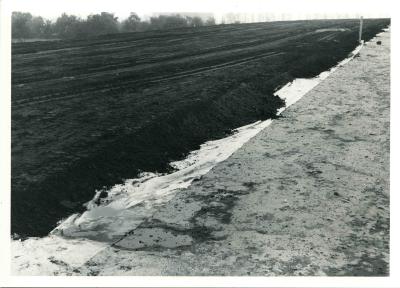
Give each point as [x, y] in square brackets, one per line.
[289, 9]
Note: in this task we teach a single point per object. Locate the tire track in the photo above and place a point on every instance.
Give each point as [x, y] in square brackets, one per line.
[150, 80]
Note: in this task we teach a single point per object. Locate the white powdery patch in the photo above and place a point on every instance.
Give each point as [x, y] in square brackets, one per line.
[120, 211]
[51, 255]
[128, 204]
[295, 90]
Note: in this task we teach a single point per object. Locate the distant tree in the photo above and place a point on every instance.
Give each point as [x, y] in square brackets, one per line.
[37, 27]
[168, 21]
[104, 23]
[48, 29]
[131, 24]
[210, 21]
[24, 25]
[68, 26]
[195, 21]
[144, 26]
[21, 25]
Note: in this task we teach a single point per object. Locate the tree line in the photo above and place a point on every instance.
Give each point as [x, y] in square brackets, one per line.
[27, 26]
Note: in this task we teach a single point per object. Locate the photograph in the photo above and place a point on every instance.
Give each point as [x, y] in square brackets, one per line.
[197, 138]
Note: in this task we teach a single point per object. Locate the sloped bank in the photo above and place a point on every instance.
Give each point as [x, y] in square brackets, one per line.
[198, 217]
[309, 195]
[228, 99]
[119, 210]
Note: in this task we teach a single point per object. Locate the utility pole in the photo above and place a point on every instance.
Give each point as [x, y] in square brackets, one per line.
[360, 33]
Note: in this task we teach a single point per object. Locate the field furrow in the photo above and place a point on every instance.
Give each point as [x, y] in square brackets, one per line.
[89, 113]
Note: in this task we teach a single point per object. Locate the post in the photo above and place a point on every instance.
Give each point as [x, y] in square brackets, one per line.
[360, 33]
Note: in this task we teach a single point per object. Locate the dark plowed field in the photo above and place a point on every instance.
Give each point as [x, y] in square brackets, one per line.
[89, 113]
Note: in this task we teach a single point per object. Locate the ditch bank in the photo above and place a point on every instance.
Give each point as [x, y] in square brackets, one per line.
[308, 195]
[233, 98]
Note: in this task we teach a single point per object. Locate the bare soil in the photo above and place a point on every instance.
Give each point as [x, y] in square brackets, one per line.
[90, 113]
[307, 196]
